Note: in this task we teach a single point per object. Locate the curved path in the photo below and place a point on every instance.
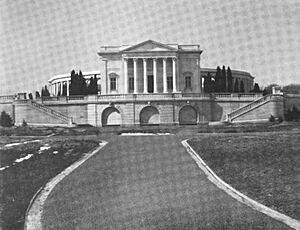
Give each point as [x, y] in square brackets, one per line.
[147, 182]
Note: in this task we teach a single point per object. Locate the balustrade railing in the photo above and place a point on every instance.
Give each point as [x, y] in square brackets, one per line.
[141, 96]
[7, 98]
[237, 95]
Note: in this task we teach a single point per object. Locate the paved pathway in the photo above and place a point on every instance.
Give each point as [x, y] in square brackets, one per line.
[147, 182]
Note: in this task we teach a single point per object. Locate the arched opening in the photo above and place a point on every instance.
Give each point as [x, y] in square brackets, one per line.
[111, 116]
[149, 116]
[188, 115]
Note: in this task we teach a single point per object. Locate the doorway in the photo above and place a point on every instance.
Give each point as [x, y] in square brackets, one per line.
[150, 84]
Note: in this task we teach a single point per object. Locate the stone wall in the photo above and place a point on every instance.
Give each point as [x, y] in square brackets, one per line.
[127, 111]
[188, 63]
[77, 112]
[274, 108]
[34, 116]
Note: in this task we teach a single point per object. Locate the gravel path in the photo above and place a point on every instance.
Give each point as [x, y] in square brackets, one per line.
[147, 182]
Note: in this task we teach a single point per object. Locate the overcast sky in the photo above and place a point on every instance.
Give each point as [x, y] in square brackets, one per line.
[41, 38]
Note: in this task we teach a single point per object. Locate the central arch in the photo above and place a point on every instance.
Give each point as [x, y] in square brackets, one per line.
[149, 116]
[111, 116]
[188, 115]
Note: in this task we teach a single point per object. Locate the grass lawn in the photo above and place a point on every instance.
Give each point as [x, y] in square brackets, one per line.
[41, 161]
[264, 166]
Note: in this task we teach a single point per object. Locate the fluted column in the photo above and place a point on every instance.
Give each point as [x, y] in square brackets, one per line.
[174, 74]
[165, 75]
[154, 76]
[61, 88]
[125, 75]
[135, 75]
[145, 75]
[68, 90]
[56, 89]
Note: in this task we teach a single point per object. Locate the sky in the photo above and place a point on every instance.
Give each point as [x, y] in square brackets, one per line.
[42, 38]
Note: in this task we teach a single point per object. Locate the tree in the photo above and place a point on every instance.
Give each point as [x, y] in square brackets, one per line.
[242, 87]
[82, 84]
[46, 92]
[229, 80]
[37, 94]
[256, 88]
[43, 92]
[5, 120]
[92, 88]
[292, 88]
[236, 86]
[95, 85]
[292, 114]
[295, 113]
[218, 80]
[223, 84]
[72, 86]
[78, 84]
[268, 89]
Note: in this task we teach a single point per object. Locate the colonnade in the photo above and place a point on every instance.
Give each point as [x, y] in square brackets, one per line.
[58, 87]
[155, 86]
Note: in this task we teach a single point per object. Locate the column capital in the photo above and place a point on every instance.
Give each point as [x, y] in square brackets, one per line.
[134, 59]
[125, 58]
[145, 59]
[164, 58]
[174, 58]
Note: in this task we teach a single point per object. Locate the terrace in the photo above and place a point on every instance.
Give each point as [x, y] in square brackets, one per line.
[152, 97]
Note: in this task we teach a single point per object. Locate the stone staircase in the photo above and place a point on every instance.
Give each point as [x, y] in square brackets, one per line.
[54, 114]
[247, 108]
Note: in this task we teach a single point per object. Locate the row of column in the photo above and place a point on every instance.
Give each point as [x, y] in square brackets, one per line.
[165, 89]
[58, 87]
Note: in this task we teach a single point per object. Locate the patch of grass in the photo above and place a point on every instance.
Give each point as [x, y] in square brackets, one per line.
[262, 166]
[21, 181]
[26, 131]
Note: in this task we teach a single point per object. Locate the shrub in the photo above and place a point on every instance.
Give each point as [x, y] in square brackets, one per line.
[30, 96]
[292, 114]
[24, 123]
[295, 113]
[37, 94]
[280, 119]
[5, 120]
[288, 115]
[272, 118]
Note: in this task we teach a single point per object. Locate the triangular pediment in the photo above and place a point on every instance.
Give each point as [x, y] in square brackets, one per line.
[149, 46]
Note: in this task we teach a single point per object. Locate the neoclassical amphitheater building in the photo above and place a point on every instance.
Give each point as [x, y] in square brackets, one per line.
[149, 83]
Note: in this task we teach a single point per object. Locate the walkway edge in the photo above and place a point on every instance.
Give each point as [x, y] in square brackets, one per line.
[293, 223]
[35, 209]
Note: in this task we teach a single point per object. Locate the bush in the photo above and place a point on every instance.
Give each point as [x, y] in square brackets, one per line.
[295, 113]
[272, 118]
[292, 114]
[24, 123]
[280, 119]
[5, 120]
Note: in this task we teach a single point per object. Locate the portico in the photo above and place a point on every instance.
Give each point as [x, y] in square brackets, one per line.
[151, 67]
[150, 81]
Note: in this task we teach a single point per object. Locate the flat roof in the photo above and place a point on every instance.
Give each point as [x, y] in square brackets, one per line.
[66, 75]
